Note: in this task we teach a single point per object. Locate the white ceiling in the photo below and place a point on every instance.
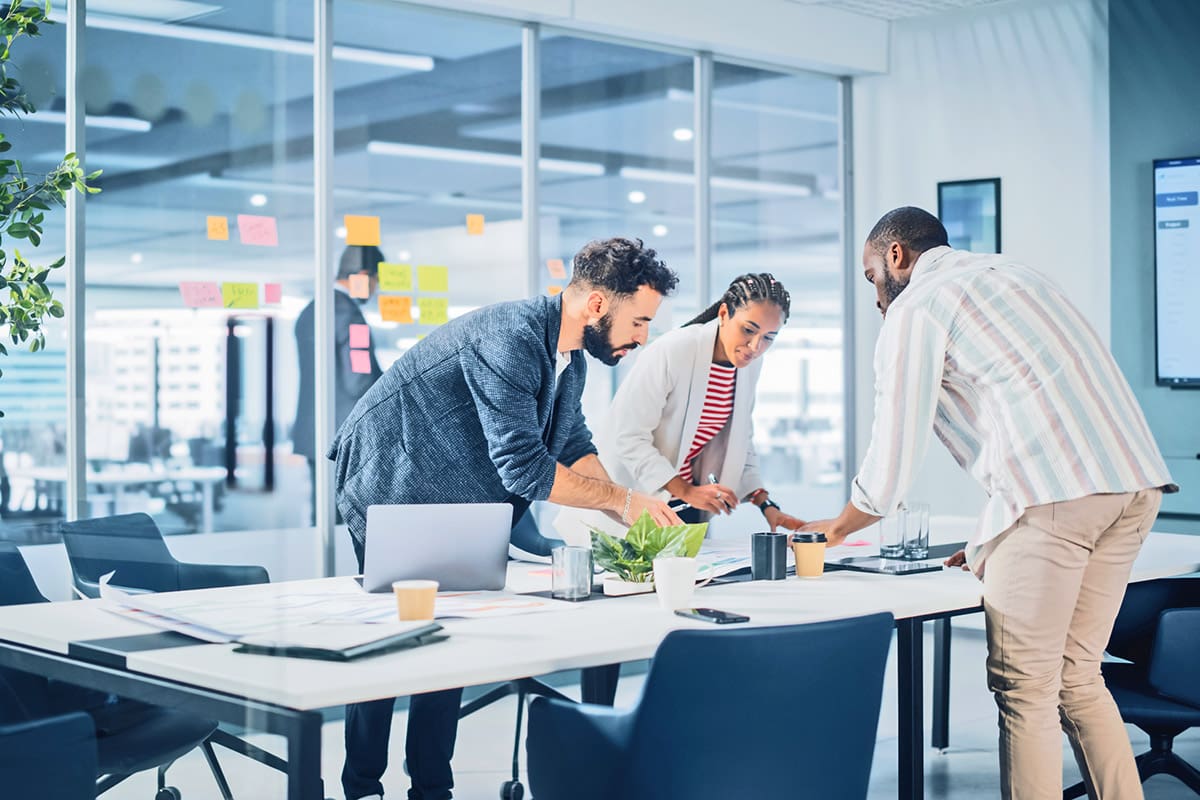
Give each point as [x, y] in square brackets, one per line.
[899, 9]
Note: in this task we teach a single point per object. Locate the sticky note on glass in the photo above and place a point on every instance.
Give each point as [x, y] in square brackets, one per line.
[272, 293]
[260, 231]
[360, 361]
[433, 279]
[239, 295]
[218, 229]
[197, 294]
[396, 309]
[556, 267]
[433, 310]
[553, 290]
[362, 230]
[395, 277]
[474, 224]
[360, 286]
[360, 336]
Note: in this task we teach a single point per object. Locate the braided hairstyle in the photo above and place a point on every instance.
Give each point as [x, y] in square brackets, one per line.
[745, 289]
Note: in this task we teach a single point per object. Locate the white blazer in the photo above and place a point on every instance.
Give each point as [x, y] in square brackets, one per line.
[654, 416]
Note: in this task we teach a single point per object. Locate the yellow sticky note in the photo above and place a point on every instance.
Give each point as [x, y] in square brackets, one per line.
[218, 229]
[395, 309]
[362, 230]
[360, 285]
[433, 310]
[553, 290]
[395, 277]
[433, 279]
[474, 224]
[239, 295]
[557, 269]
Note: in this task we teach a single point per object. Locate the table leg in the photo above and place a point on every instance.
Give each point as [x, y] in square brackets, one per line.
[910, 680]
[206, 511]
[939, 736]
[304, 758]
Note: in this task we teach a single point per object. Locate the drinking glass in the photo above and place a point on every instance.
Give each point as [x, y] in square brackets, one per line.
[571, 569]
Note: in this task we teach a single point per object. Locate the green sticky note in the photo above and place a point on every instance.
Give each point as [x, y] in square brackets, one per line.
[433, 279]
[395, 277]
[433, 310]
[239, 295]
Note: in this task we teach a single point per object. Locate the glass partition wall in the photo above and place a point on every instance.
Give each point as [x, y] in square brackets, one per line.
[199, 254]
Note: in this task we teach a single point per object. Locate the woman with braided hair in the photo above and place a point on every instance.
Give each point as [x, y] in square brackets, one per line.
[680, 423]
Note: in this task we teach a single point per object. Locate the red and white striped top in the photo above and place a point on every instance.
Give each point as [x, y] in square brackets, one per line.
[718, 406]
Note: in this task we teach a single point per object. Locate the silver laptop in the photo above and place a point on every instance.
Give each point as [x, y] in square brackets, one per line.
[464, 547]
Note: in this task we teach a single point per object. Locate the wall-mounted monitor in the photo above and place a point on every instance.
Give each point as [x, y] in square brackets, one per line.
[1177, 270]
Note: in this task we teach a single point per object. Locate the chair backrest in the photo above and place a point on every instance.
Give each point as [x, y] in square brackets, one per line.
[17, 586]
[761, 712]
[50, 758]
[23, 695]
[128, 544]
[1137, 622]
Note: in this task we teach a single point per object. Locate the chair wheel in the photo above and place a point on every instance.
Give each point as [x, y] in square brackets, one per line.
[168, 793]
[512, 790]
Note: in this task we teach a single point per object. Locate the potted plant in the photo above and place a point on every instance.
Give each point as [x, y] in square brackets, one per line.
[24, 199]
[631, 560]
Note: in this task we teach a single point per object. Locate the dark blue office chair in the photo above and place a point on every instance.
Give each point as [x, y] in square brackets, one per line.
[131, 546]
[129, 736]
[756, 712]
[1158, 631]
[52, 758]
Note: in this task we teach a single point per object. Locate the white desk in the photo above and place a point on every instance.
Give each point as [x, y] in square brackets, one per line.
[281, 695]
[121, 478]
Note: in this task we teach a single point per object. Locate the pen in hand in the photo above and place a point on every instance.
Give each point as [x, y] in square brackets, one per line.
[712, 478]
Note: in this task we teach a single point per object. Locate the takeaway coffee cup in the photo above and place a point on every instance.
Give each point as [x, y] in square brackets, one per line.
[809, 549]
[415, 599]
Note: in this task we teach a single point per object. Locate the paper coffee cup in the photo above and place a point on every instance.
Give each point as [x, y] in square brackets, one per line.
[809, 549]
[415, 599]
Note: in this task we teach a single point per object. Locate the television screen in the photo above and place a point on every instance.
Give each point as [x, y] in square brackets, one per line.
[1177, 270]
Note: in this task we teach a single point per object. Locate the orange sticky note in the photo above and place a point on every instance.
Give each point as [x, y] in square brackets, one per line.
[201, 294]
[395, 309]
[362, 230]
[360, 336]
[273, 292]
[556, 267]
[553, 290]
[360, 361]
[360, 286]
[218, 229]
[260, 231]
[433, 310]
[475, 224]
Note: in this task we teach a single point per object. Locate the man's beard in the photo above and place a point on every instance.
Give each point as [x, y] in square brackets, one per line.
[892, 287]
[597, 341]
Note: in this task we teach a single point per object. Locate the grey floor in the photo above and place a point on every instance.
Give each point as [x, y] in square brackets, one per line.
[966, 770]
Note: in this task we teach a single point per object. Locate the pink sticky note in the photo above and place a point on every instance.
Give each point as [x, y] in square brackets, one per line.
[273, 292]
[360, 361]
[360, 336]
[257, 230]
[201, 294]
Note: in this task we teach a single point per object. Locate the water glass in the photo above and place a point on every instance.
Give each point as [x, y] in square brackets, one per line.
[571, 570]
[891, 536]
[916, 531]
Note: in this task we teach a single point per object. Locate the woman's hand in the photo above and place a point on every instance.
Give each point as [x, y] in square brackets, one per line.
[714, 497]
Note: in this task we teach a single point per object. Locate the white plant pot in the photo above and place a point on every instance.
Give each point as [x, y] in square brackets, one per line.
[615, 587]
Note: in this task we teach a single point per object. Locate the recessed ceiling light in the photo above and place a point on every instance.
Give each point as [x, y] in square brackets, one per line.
[136, 258]
[683, 134]
[258, 200]
[637, 197]
[404, 255]
[340, 232]
[660, 230]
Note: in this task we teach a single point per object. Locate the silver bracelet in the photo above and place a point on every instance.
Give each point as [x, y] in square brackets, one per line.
[628, 500]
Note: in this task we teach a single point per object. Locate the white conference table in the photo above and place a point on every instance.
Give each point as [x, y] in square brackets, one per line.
[282, 695]
[121, 478]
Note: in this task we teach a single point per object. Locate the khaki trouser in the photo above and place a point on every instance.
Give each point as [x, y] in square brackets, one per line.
[1052, 587]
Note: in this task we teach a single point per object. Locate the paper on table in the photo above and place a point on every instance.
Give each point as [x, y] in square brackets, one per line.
[322, 636]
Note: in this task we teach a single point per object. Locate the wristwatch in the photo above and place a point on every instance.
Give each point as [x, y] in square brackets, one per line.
[768, 503]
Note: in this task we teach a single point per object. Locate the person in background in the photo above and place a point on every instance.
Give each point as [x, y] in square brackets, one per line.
[486, 409]
[993, 358]
[348, 385]
[684, 411]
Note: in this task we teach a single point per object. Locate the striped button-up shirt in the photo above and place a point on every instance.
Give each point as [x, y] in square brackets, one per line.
[993, 358]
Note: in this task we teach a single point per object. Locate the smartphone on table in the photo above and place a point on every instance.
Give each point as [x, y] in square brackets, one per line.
[712, 615]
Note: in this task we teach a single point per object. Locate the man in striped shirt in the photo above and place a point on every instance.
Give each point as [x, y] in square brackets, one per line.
[994, 359]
